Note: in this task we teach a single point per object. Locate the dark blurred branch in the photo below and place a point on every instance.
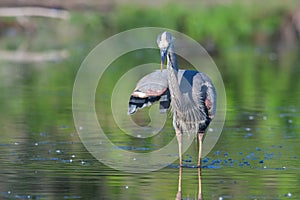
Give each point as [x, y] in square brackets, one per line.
[33, 57]
[34, 11]
[103, 5]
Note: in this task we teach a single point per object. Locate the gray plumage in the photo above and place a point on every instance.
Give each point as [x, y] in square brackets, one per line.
[154, 87]
[190, 93]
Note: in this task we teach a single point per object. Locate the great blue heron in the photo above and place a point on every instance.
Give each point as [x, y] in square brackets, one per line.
[191, 94]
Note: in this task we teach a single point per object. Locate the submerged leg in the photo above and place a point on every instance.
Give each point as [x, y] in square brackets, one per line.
[179, 139]
[200, 137]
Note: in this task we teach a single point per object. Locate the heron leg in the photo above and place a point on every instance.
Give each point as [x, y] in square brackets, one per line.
[179, 139]
[200, 137]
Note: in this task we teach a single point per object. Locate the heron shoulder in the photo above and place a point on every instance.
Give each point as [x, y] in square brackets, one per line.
[153, 84]
[194, 78]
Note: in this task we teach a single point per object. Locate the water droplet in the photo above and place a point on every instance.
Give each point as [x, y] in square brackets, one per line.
[58, 151]
[8, 192]
[126, 187]
[288, 194]
[36, 144]
[220, 198]
[73, 156]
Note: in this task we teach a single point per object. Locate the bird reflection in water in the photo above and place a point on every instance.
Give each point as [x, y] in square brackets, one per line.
[179, 191]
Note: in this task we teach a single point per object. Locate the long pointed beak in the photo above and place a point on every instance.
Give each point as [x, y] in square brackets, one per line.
[163, 56]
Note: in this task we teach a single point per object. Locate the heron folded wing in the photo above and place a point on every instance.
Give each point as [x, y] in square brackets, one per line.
[149, 93]
[137, 102]
[151, 88]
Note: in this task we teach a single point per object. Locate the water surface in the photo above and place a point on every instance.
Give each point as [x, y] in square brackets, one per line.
[42, 157]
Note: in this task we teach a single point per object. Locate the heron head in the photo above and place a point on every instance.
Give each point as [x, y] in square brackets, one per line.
[164, 41]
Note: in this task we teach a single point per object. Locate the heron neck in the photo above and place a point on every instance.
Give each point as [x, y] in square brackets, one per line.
[172, 68]
[172, 60]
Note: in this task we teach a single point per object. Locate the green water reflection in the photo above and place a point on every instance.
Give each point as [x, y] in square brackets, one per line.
[42, 157]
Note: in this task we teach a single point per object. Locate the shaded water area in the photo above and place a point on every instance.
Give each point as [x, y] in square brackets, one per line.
[256, 157]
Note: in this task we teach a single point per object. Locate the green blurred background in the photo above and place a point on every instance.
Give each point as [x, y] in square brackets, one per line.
[255, 45]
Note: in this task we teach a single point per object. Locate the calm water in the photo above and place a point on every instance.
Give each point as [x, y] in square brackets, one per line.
[42, 157]
[241, 166]
[256, 157]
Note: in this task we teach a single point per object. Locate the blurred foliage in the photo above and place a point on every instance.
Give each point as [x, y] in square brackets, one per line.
[227, 26]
